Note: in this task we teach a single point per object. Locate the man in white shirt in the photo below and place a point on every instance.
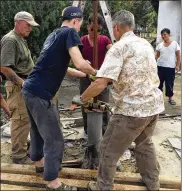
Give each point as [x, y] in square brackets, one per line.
[168, 61]
[130, 64]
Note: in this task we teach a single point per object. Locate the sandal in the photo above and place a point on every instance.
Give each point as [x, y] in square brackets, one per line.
[172, 102]
[62, 187]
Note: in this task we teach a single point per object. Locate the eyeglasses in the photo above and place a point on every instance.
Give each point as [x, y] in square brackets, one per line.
[98, 30]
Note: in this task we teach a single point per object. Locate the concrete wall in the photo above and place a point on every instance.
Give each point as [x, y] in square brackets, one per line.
[169, 16]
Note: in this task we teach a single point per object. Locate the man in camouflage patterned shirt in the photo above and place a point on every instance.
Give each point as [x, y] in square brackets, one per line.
[130, 64]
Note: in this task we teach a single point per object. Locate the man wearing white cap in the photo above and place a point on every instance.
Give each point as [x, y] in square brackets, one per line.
[16, 65]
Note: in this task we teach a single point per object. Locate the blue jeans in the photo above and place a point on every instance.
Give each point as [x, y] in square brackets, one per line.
[46, 137]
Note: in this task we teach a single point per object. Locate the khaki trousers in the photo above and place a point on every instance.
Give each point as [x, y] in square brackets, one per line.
[20, 122]
[121, 132]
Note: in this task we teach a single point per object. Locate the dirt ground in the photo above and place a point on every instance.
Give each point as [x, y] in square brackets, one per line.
[166, 128]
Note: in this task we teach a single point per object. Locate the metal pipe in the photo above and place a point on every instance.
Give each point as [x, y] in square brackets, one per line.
[95, 22]
[94, 127]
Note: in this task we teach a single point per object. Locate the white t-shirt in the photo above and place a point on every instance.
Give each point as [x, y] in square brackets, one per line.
[167, 54]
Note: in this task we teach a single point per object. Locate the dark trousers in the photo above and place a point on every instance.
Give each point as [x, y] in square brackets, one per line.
[46, 137]
[166, 75]
[103, 96]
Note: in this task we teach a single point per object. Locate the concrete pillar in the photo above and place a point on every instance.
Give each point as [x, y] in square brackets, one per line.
[169, 16]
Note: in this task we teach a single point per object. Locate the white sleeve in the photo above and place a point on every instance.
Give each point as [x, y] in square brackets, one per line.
[157, 48]
[177, 46]
[112, 65]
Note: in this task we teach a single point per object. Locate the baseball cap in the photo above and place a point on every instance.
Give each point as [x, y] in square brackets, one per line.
[72, 12]
[25, 16]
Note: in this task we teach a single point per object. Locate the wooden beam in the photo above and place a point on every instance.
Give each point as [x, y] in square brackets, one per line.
[36, 181]
[86, 174]
[16, 187]
[31, 180]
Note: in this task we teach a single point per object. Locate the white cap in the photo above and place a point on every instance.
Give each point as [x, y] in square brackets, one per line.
[25, 16]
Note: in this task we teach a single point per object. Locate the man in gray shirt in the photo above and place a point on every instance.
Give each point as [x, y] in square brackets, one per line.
[16, 65]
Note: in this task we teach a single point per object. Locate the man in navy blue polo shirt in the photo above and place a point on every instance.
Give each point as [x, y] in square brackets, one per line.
[47, 143]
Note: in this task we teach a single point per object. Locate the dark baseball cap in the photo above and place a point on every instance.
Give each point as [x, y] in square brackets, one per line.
[71, 12]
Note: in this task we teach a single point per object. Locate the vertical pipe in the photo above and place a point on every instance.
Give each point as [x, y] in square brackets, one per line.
[95, 21]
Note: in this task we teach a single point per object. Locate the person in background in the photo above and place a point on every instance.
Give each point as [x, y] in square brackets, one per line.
[47, 142]
[168, 62]
[137, 33]
[104, 44]
[16, 65]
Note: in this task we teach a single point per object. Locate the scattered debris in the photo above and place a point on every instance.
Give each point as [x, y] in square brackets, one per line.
[6, 130]
[126, 156]
[176, 144]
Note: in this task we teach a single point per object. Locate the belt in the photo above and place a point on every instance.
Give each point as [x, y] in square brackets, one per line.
[22, 76]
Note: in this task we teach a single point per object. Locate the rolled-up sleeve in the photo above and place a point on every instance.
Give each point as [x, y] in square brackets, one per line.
[113, 63]
[8, 53]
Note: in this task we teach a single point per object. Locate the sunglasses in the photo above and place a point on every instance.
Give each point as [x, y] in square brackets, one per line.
[98, 30]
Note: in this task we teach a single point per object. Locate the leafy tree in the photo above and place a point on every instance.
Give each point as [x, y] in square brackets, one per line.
[47, 14]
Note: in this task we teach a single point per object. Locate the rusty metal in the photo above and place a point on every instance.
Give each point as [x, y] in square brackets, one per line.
[95, 22]
[95, 43]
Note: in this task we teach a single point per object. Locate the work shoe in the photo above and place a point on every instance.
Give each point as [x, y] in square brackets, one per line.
[24, 160]
[93, 186]
[62, 187]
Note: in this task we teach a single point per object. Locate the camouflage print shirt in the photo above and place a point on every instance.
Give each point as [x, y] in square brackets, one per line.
[131, 64]
[15, 53]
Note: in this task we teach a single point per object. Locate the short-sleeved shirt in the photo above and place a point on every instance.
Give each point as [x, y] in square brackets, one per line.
[131, 64]
[52, 65]
[167, 54]
[87, 50]
[16, 54]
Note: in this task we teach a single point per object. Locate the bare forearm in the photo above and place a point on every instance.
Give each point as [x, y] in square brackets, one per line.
[85, 67]
[93, 90]
[12, 76]
[79, 62]
[75, 73]
[178, 62]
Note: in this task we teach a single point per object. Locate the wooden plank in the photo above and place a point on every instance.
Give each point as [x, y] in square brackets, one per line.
[17, 187]
[86, 174]
[31, 180]
[72, 163]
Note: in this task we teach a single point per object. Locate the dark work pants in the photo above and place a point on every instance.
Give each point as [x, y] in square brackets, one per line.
[166, 75]
[103, 96]
[46, 137]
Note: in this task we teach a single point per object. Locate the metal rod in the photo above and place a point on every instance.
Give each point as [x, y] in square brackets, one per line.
[95, 22]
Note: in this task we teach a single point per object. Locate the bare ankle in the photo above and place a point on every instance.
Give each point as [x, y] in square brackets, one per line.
[54, 183]
[40, 163]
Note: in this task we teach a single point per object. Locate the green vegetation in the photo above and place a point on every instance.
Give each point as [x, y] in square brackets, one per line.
[47, 14]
